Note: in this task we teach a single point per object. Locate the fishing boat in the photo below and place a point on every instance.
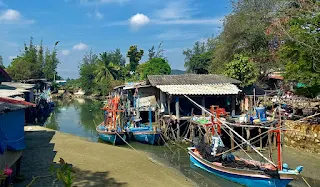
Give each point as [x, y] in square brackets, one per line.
[115, 137]
[212, 156]
[145, 134]
[110, 129]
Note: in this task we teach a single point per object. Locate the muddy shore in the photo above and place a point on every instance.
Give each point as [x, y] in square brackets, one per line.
[96, 164]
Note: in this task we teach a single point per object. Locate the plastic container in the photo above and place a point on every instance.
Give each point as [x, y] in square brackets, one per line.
[261, 113]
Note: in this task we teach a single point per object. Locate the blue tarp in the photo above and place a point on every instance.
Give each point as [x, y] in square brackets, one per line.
[12, 131]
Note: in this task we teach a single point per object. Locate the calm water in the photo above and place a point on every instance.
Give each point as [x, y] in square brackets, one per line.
[80, 116]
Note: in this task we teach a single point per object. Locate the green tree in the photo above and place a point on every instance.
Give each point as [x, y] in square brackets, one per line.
[87, 72]
[31, 64]
[156, 54]
[155, 66]
[106, 68]
[244, 32]
[134, 56]
[242, 69]
[198, 59]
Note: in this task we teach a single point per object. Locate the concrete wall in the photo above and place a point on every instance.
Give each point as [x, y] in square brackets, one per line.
[303, 136]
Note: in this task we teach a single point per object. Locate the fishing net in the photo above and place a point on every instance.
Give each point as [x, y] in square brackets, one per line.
[227, 159]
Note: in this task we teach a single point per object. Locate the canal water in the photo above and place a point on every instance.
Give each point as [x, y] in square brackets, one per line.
[80, 117]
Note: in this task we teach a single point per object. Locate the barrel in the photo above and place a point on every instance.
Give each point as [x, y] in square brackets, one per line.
[261, 113]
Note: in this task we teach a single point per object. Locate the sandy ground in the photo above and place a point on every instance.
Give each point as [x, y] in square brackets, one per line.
[96, 164]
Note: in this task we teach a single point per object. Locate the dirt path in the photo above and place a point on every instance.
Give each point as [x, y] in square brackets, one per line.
[96, 164]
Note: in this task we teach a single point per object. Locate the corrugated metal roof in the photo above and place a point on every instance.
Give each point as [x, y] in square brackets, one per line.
[19, 85]
[9, 93]
[203, 89]
[190, 79]
[7, 107]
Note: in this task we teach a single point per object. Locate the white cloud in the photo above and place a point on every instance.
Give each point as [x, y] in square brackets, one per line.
[138, 20]
[176, 10]
[10, 15]
[13, 16]
[12, 57]
[65, 52]
[98, 15]
[80, 47]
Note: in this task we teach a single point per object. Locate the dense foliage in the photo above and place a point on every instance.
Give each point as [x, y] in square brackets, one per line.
[242, 69]
[33, 63]
[100, 73]
[273, 34]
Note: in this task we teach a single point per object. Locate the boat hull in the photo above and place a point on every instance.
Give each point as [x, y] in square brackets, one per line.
[113, 138]
[244, 178]
[147, 137]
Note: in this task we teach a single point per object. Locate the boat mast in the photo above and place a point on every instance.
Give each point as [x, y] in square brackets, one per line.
[205, 110]
[279, 141]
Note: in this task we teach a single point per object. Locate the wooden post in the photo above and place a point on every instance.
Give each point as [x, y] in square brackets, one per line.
[169, 101]
[231, 138]
[260, 138]
[203, 103]
[192, 135]
[178, 117]
[248, 138]
[233, 105]
[162, 102]
[269, 144]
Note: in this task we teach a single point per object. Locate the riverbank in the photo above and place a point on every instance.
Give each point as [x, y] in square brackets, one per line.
[96, 164]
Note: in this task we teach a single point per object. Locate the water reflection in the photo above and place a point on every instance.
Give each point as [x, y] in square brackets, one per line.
[76, 116]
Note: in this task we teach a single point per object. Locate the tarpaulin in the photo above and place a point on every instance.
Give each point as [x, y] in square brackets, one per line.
[12, 130]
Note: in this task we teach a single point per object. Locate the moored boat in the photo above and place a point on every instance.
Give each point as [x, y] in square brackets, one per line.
[261, 176]
[145, 135]
[212, 156]
[115, 137]
[111, 130]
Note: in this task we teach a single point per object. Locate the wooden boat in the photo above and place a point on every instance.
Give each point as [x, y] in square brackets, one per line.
[116, 137]
[250, 173]
[145, 134]
[247, 177]
[110, 129]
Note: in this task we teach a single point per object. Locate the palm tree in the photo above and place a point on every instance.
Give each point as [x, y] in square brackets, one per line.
[106, 68]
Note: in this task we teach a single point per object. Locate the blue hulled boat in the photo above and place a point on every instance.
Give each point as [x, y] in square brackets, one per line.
[145, 135]
[115, 137]
[247, 177]
[110, 129]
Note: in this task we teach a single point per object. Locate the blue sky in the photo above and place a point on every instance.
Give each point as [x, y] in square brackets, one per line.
[105, 25]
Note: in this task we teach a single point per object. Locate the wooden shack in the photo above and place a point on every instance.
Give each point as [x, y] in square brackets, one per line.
[205, 89]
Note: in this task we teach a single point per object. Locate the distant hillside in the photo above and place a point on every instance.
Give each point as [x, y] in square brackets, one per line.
[177, 72]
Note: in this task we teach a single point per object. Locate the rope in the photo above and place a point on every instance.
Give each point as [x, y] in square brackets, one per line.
[239, 145]
[305, 181]
[205, 110]
[166, 144]
[244, 143]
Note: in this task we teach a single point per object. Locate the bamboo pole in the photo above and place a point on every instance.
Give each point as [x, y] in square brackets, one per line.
[233, 132]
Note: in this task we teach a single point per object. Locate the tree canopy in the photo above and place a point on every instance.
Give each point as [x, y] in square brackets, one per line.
[31, 64]
[242, 69]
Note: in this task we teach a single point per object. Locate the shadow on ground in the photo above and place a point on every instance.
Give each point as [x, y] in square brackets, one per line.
[39, 156]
